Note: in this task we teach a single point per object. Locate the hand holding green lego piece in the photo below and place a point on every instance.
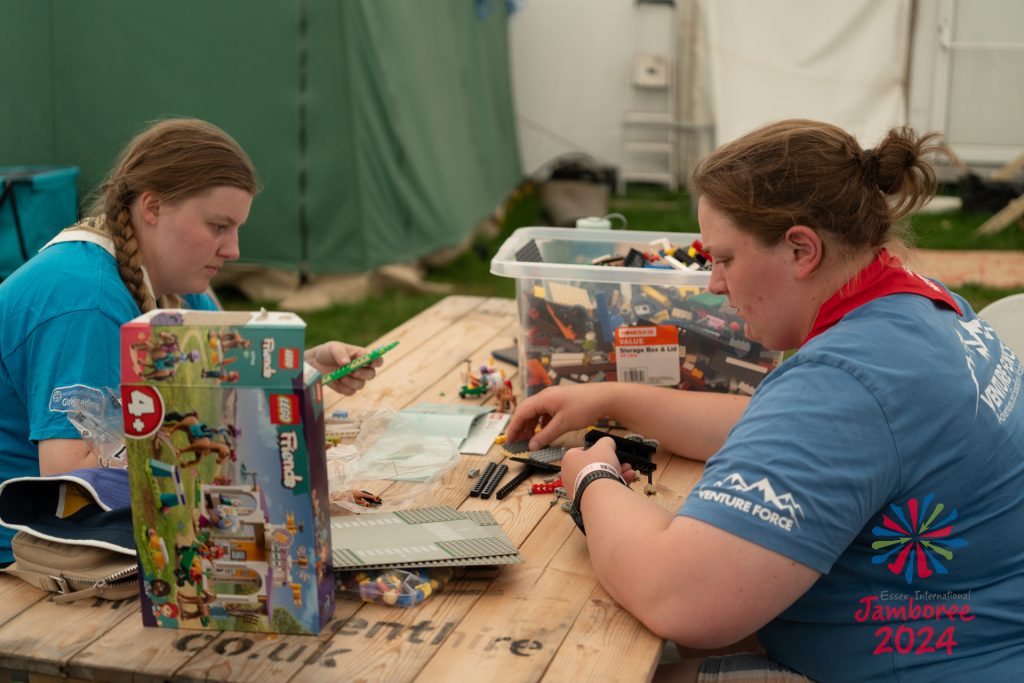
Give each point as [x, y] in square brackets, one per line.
[358, 362]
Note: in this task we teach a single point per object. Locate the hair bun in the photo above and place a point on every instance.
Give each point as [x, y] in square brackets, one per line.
[869, 163]
[895, 160]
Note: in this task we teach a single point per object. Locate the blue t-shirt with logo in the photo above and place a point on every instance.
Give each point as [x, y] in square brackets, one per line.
[62, 313]
[888, 454]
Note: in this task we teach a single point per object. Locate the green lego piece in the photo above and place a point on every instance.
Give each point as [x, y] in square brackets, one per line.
[358, 362]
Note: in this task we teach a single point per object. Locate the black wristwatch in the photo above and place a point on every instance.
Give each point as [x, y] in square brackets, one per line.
[588, 479]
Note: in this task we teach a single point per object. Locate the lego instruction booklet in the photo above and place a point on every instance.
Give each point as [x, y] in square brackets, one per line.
[478, 426]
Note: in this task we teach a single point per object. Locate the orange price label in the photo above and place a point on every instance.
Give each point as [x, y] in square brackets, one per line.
[647, 354]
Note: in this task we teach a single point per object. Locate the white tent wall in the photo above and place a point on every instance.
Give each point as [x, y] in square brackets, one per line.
[831, 60]
[967, 68]
[866, 65]
[571, 64]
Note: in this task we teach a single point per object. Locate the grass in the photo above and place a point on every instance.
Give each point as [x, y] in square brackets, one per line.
[645, 208]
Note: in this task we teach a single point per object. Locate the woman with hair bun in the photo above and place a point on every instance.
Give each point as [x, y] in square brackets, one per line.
[165, 220]
[861, 511]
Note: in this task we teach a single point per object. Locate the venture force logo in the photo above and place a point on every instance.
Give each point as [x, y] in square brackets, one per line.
[1003, 388]
[778, 510]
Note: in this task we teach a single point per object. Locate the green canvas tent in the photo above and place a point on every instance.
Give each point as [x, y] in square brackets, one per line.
[382, 129]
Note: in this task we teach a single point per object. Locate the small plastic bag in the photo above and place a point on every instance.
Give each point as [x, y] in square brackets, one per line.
[387, 454]
[102, 428]
[394, 587]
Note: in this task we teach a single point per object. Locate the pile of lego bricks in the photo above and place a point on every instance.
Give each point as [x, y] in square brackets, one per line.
[569, 327]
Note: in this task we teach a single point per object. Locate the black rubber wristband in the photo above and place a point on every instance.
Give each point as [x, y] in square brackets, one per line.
[574, 511]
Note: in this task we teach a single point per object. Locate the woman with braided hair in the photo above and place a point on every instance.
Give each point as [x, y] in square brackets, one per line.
[861, 512]
[165, 220]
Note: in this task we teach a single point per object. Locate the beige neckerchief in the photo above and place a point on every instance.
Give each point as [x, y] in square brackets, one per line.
[93, 229]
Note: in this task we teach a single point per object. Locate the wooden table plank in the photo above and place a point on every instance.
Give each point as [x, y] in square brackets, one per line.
[132, 652]
[596, 643]
[393, 644]
[44, 638]
[595, 647]
[514, 630]
[16, 596]
[429, 353]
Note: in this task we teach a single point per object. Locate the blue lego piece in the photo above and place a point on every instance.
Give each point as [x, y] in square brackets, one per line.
[606, 320]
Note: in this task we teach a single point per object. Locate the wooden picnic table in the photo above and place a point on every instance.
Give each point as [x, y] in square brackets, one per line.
[546, 619]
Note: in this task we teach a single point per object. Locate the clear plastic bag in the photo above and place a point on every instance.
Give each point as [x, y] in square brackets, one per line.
[394, 587]
[102, 428]
[389, 465]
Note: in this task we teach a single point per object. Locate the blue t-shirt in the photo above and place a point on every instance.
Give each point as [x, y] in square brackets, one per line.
[62, 313]
[888, 454]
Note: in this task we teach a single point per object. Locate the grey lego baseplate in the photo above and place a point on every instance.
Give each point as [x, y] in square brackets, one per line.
[422, 537]
[551, 454]
[516, 447]
[530, 253]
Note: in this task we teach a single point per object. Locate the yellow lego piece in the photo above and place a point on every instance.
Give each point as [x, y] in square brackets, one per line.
[655, 294]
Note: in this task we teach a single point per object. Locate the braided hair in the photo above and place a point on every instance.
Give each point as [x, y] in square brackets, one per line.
[177, 159]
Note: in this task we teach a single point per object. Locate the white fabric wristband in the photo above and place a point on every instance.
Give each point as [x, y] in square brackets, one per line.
[593, 467]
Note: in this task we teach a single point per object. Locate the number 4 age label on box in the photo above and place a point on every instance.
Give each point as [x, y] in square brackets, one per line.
[647, 354]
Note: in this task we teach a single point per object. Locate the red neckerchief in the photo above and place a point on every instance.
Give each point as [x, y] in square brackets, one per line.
[882, 277]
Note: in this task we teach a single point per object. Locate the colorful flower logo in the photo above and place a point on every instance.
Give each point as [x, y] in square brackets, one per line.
[918, 543]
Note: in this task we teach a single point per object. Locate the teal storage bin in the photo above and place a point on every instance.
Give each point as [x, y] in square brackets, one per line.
[36, 202]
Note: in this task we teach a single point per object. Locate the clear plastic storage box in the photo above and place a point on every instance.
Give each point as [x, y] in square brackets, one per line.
[581, 322]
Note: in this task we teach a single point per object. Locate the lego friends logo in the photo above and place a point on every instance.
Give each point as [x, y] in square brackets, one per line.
[289, 359]
[284, 409]
[288, 443]
[268, 358]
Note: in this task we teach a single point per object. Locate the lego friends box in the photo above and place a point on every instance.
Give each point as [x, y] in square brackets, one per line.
[225, 435]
